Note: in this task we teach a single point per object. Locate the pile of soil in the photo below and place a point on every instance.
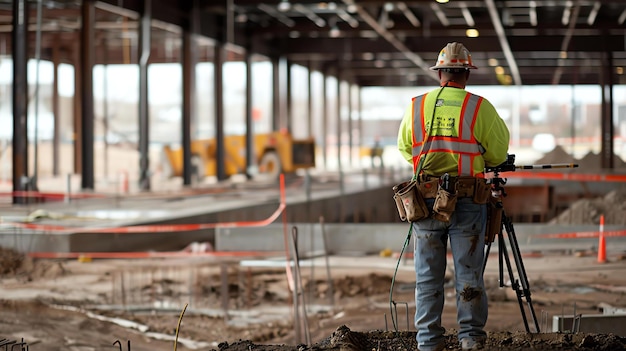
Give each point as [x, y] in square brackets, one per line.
[10, 261]
[346, 340]
[589, 211]
[591, 162]
[557, 155]
[18, 265]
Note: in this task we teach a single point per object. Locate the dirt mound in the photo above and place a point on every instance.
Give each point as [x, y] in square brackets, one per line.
[589, 211]
[10, 261]
[591, 162]
[346, 340]
[557, 155]
[20, 266]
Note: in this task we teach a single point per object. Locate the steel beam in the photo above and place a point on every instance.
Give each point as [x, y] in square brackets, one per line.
[393, 40]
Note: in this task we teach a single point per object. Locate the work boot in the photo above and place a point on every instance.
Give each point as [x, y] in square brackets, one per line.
[472, 344]
[439, 347]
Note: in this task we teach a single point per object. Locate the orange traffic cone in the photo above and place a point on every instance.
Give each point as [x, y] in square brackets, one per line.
[601, 242]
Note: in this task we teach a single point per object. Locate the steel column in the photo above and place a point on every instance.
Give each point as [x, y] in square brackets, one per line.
[188, 72]
[105, 104]
[309, 83]
[607, 129]
[144, 113]
[324, 117]
[86, 93]
[275, 93]
[288, 97]
[350, 141]
[77, 107]
[338, 112]
[19, 40]
[283, 93]
[250, 152]
[219, 110]
[360, 119]
[55, 109]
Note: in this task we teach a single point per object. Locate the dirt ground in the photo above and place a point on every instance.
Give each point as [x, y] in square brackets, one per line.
[75, 305]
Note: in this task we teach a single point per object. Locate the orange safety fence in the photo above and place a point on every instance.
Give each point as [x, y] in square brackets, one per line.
[151, 254]
[161, 228]
[50, 195]
[565, 176]
[582, 235]
[153, 229]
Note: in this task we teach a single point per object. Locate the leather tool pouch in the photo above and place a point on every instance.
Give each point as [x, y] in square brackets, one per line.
[399, 205]
[482, 191]
[410, 200]
[444, 205]
[494, 219]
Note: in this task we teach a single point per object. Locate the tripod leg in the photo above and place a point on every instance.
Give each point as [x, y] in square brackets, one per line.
[486, 257]
[503, 258]
[525, 286]
[504, 254]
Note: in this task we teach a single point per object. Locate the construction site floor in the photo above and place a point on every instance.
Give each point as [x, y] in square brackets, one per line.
[209, 303]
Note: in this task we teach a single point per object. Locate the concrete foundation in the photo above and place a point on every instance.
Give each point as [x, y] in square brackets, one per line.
[600, 323]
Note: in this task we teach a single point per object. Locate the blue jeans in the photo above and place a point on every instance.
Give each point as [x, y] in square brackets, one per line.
[466, 231]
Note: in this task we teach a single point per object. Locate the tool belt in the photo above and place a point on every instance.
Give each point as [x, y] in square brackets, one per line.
[410, 196]
[465, 186]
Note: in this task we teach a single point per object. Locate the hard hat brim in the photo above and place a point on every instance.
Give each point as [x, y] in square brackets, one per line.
[436, 68]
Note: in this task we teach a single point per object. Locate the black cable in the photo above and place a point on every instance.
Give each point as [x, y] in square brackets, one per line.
[393, 281]
[408, 236]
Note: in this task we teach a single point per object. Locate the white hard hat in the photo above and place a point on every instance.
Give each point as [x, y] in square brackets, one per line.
[454, 55]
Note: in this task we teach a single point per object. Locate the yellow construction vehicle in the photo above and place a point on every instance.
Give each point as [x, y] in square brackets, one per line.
[274, 153]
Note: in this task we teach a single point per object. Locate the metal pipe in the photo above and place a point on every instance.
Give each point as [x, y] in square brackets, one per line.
[329, 277]
[299, 292]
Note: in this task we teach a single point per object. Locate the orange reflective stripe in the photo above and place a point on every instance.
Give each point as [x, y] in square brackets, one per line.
[469, 111]
[418, 138]
[418, 107]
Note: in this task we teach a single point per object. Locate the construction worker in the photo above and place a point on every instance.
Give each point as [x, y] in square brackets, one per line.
[377, 153]
[449, 135]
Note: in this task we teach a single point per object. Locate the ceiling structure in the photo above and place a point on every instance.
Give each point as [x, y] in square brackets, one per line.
[370, 42]
[394, 42]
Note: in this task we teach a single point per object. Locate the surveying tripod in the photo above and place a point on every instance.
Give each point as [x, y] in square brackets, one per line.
[520, 284]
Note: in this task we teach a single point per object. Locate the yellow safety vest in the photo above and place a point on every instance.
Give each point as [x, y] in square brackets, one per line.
[460, 141]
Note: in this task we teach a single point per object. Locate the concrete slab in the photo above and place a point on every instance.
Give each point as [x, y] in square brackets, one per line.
[600, 323]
